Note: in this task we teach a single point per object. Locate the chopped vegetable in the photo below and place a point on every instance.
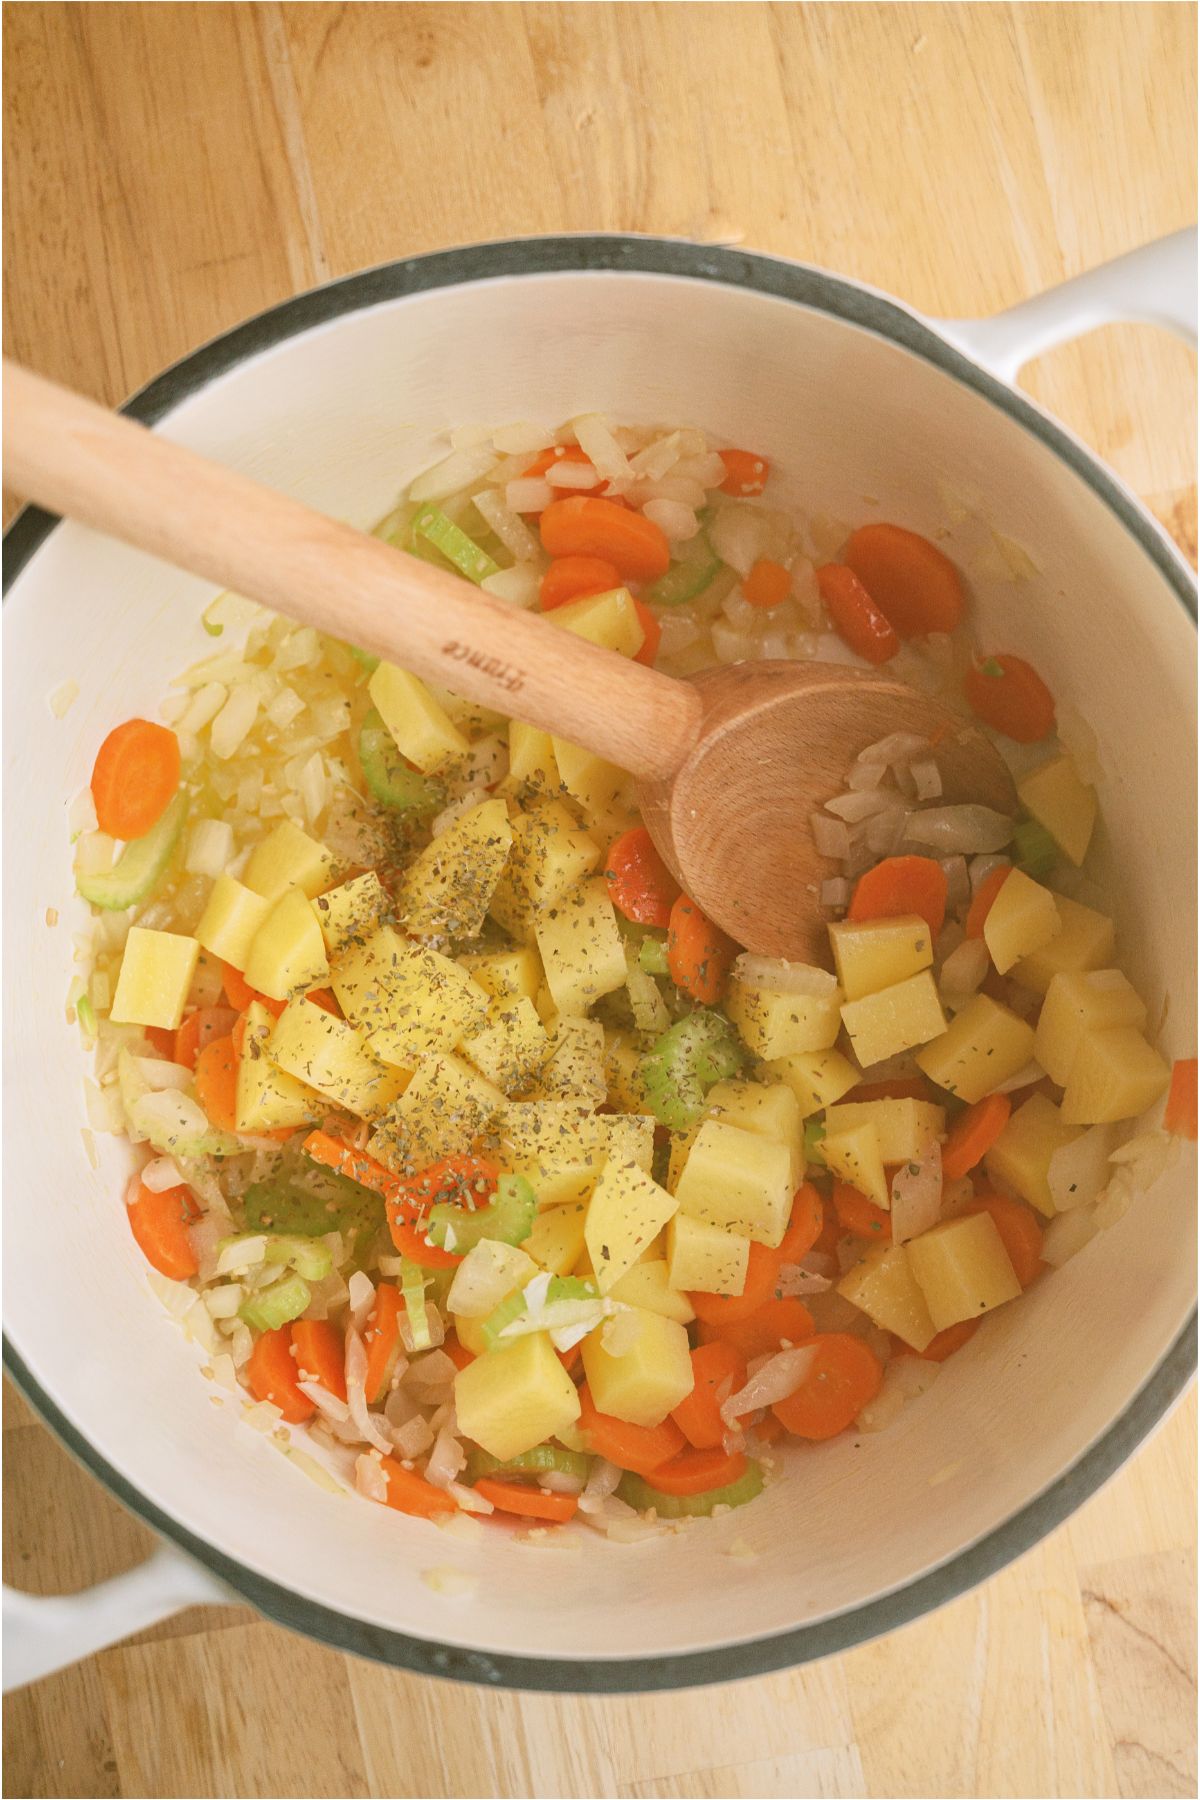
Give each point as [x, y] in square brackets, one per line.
[699, 953]
[319, 1352]
[764, 1264]
[432, 524]
[585, 526]
[641, 1448]
[900, 885]
[719, 1371]
[1179, 1116]
[651, 634]
[200, 1029]
[1034, 850]
[277, 1305]
[382, 1340]
[913, 584]
[412, 1290]
[767, 585]
[695, 570]
[1008, 694]
[677, 1071]
[652, 955]
[640, 885]
[300, 1199]
[575, 578]
[391, 780]
[159, 1222]
[776, 1323]
[860, 1216]
[855, 616]
[1019, 1231]
[945, 1343]
[745, 473]
[141, 865]
[845, 1376]
[643, 1494]
[983, 899]
[509, 1218]
[216, 1083]
[530, 1503]
[543, 1459]
[409, 1492]
[973, 1134]
[272, 1374]
[135, 777]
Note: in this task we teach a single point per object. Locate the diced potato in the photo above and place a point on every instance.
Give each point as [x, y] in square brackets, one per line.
[773, 1024]
[544, 1140]
[1084, 941]
[327, 1054]
[962, 1268]
[592, 782]
[232, 915]
[1059, 800]
[1019, 1160]
[651, 1376]
[884, 1287]
[551, 854]
[352, 912]
[266, 1098]
[985, 1044]
[609, 620]
[895, 1019]
[556, 1241]
[531, 763]
[879, 952]
[1021, 919]
[469, 1333]
[905, 1127]
[509, 1400]
[505, 974]
[817, 1077]
[704, 1259]
[739, 1181]
[770, 1110]
[287, 954]
[626, 1212]
[448, 888]
[573, 1067]
[512, 908]
[1115, 1075]
[626, 1137]
[445, 1110]
[406, 999]
[679, 1149]
[420, 727]
[622, 1072]
[854, 1154]
[1077, 1004]
[288, 858]
[581, 947]
[512, 1046]
[648, 1285]
[156, 973]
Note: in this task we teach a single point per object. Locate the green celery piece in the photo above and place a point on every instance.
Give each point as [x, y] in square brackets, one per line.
[652, 956]
[412, 1289]
[388, 777]
[140, 866]
[500, 1316]
[307, 1255]
[277, 1305]
[1034, 850]
[509, 1218]
[678, 1070]
[541, 1460]
[570, 1287]
[640, 1494]
[85, 1012]
[367, 658]
[688, 577]
[433, 525]
[814, 1132]
[302, 1199]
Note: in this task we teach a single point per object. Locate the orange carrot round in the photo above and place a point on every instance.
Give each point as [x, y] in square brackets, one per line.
[973, 1134]
[216, 1082]
[718, 1371]
[983, 899]
[526, 1501]
[860, 1216]
[381, 1337]
[698, 952]
[855, 616]
[586, 526]
[765, 1331]
[199, 1030]
[1179, 1114]
[915, 587]
[135, 777]
[651, 634]
[947, 1342]
[697, 1472]
[1019, 1231]
[1008, 694]
[844, 1377]
[320, 1355]
[745, 473]
[272, 1374]
[409, 1492]
[639, 1448]
[640, 885]
[900, 885]
[159, 1224]
[576, 578]
[767, 585]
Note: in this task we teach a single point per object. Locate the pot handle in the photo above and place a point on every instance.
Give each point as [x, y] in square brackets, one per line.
[1154, 285]
[43, 1633]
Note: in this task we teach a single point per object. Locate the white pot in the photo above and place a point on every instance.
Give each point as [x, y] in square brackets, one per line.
[866, 411]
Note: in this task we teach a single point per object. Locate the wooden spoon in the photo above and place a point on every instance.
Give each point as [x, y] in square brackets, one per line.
[730, 766]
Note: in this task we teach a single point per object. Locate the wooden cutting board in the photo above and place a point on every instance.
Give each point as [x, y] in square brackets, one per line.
[172, 168]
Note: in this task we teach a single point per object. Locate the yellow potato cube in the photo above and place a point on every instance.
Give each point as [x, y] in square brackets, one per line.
[352, 912]
[626, 1212]
[770, 1110]
[512, 908]
[327, 1054]
[625, 1137]
[962, 1268]
[1063, 803]
[550, 853]
[984, 1046]
[573, 1066]
[1115, 1075]
[449, 887]
[855, 1156]
[512, 1046]
[703, 1259]
[445, 1110]
[509, 1400]
[232, 915]
[609, 620]
[774, 1024]
[420, 727]
[505, 974]
[817, 1077]
[1077, 1004]
[622, 1072]
[905, 1128]
[1084, 941]
[552, 1143]
[287, 953]
[1019, 1160]
[406, 999]
[1021, 919]
[895, 1019]
[531, 764]
[650, 1377]
[679, 1150]
[288, 858]
[879, 952]
[556, 1241]
[739, 1181]
[156, 973]
[581, 947]
[648, 1285]
[266, 1098]
[884, 1287]
[593, 783]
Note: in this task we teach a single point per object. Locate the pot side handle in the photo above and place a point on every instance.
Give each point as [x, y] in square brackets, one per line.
[44, 1633]
[1154, 285]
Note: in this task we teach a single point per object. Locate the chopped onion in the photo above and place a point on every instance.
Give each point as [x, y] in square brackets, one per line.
[413, 1438]
[572, 474]
[707, 470]
[958, 882]
[980, 867]
[209, 848]
[246, 1253]
[831, 836]
[864, 776]
[430, 1378]
[361, 1291]
[860, 804]
[458, 470]
[795, 1279]
[518, 585]
[522, 439]
[895, 751]
[511, 530]
[917, 1195]
[676, 521]
[1079, 1171]
[774, 975]
[356, 1391]
[161, 1174]
[1148, 1155]
[370, 1478]
[778, 1377]
[886, 830]
[557, 1481]
[965, 969]
[324, 1401]
[661, 456]
[835, 892]
[603, 1480]
[233, 722]
[926, 778]
[447, 1459]
[739, 534]
[1116, 1199]
[202, 708]
[729, 645]
[598, 443]
[468, 1498]
[966, 829]
[528, 494]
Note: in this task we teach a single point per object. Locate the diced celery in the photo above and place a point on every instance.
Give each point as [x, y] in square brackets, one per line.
[301, 1199]
[140, 866]
[652, 956]
[689, 576]
[1034, 850]
[678, 1070]
[390, 780]
[639, 1493]
[543, 1459]
[307, 1255]
[509, 1217]
[502, 1315]
[275, 1306]
[433, 525]
[412, 1289]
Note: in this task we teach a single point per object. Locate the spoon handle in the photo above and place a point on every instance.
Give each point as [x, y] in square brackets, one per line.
[80, 460]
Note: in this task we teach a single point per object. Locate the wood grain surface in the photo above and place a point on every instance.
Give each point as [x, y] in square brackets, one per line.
[169, 170]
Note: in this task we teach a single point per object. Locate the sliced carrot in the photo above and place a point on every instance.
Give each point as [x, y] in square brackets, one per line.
[216, 1083]
[983, 898]
[745, 473]
[973, 1134]
[900, 1087]
[763, 1265]
[162, 1040]
[557, 453]
[272, 1374]
[860, 1216]
[915, 587]
[409, 1492]
[1008, 694]
[468, 1181]
[239, 993]
[159, 1224]
[718, 1371]
[458, 1353]
[844, 1377]
[698, 952]
[584, 526]
[855, 616]
[768, 584]
[1019, 1231]
[381, 1338]
[1179, 1114]
[576, 578]
[526, 1501]
[777, 1321]
[320, 1354]
[947, 1342]
[651, 634]
[198, 1030]
[639, 1448]
[900, 885]
[135, 777]
[697, 1472]
[640, 885]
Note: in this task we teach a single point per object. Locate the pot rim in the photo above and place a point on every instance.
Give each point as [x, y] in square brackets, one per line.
[867, 308]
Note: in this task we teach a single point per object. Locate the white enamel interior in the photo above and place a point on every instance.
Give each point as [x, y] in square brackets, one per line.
[342, 416]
